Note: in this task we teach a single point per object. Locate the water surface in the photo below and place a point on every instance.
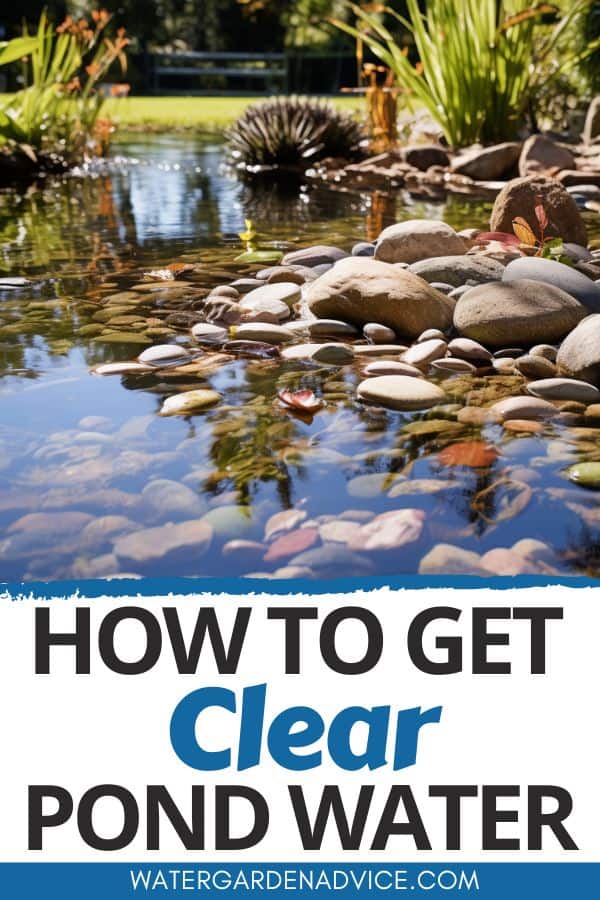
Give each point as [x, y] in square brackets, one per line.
[85, 460]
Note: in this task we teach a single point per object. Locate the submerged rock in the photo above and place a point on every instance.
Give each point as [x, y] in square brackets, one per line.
[163, 354]
[389, 530]
[184, 543]
[189, 402]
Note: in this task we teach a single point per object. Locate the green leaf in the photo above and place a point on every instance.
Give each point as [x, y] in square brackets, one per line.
[10, 51]
[259, 256]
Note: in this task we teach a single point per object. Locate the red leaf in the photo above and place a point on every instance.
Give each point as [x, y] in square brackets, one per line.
[474, 454]
[305, 401]
[540, 214]
[500, 236]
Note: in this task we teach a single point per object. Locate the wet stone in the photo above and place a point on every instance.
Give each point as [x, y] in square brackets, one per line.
[163, 354]
[400, 392]
[564, 389]
[378, 334]
[257, 331]
[205, 333]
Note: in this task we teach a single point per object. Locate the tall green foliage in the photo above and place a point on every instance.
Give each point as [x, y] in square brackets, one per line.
[58, 109]
[480, 61]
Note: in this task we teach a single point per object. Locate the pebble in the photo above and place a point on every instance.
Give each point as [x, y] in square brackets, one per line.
[333, 354]
[379, 349]
[587, 474]
[184, 543]
[522, 425]
[120, 368]
[378, 334]
[225, 290]
[205, 333]
[286, 292]
[363, 249]
[448, 559]
[522, 408]
[338, 531]
[509, 353]
[400, 392]
[189, 402]
[473, 351]
[229, 521]
[314, 256]
[331, 327]
[389, 530]
[535, 366]
[422, 354]
[431, 334]
[291, 544]
[245, 285]
[162, 354]
[453, 364]
[564, 389]
[371, 485]
[334, 561]
[283, 521]
[391, 367]
[504, 365]
[547, 351]
[260, 331]
[167, 498]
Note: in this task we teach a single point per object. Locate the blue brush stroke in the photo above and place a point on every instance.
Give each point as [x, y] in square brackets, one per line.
[160, 587]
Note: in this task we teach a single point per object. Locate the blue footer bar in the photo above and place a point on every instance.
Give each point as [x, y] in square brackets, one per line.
[112, 881]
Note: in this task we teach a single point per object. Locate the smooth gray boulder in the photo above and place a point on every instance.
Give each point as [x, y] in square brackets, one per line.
[579, 353]
[458, 270]
[558, 275]
[526, 311]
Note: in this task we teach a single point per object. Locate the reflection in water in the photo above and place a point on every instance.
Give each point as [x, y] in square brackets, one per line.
[89, 472]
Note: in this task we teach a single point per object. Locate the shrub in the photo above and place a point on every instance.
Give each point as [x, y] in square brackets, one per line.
[57, 113]
[292, 133]
[480, 61]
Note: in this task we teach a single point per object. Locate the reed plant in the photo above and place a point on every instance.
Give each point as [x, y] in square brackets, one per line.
[480, 62]
[58, 110]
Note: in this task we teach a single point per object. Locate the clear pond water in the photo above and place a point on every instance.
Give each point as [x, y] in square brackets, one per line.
[86, 460]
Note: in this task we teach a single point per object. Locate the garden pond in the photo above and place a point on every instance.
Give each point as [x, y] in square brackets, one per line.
[86, 462]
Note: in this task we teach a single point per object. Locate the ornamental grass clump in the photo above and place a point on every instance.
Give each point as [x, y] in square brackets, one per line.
[57, 115]
[292, 133]
[480, 62]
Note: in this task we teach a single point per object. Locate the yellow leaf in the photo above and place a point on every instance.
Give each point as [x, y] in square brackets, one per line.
[524, 232]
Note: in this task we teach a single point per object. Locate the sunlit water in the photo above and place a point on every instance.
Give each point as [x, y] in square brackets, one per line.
[85, 460]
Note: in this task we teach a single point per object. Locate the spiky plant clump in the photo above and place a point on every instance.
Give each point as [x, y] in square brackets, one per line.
[293, 132]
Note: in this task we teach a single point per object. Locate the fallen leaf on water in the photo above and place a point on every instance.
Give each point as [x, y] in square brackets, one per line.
[475, 454]
[305, 401]
[170, 272]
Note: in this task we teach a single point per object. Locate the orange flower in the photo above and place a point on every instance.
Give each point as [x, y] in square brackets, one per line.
[93, 70]
[65, 25]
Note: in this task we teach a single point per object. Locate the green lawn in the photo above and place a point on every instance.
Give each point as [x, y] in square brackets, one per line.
[162, 113]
